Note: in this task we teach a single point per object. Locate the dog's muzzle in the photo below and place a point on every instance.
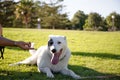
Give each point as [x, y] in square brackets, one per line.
[55, 56]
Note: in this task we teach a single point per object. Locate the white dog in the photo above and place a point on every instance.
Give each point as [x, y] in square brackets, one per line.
[51, 58]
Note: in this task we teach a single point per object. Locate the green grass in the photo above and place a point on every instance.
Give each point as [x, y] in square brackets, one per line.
[93, 54]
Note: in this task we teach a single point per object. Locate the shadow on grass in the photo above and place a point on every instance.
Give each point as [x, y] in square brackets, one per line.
[84, 72]
[90, 74]
[100, 55]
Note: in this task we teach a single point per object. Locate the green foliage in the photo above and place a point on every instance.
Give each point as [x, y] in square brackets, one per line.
[7, 9]
[79, 20]
[113, 24]
[51, 15]
[93, 21]
[26, 11]
[87, 26]
[93, 54]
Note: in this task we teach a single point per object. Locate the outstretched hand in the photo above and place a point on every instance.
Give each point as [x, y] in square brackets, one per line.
[23, 45]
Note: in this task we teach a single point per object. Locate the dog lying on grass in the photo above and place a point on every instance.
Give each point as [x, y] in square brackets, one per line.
[53, 57]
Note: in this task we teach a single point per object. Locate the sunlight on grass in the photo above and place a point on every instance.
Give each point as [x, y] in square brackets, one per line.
[93, 53]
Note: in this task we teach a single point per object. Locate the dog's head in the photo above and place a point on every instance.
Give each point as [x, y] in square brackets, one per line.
[57, 45]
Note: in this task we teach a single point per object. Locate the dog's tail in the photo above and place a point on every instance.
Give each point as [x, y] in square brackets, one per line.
[33, 51]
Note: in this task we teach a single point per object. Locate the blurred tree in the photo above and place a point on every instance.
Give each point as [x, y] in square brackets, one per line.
[50, 13]
[103, 26]
[79, 20]
[7, 8]
[64, 22]
[113, 21]
[93, 22]
[50, 16]
[25, 10]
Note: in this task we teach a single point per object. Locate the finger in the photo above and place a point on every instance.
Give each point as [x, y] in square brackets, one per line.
[29, 44]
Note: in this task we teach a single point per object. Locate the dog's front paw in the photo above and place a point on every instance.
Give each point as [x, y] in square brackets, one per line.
[76, 76]
[50, 75]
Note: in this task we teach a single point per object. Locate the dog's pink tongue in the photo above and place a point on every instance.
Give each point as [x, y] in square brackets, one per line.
[55, 59]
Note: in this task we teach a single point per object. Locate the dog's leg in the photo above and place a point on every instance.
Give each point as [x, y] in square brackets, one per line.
[69, 73]
[30, 60]
[32, 52]
[47, 71]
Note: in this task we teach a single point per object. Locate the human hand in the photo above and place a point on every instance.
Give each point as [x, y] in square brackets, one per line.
[23, 45]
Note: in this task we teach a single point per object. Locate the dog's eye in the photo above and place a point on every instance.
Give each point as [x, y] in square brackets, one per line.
[59, 42]
[51, 43]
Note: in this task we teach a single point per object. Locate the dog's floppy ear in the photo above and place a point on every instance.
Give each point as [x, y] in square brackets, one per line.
[50, 41]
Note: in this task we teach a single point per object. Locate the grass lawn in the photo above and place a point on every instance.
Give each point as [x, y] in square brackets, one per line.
[93, 54]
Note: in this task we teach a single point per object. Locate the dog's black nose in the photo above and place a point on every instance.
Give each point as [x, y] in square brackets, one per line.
[54, 50]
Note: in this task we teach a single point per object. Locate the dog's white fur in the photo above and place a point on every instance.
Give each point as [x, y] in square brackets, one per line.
[44, 55]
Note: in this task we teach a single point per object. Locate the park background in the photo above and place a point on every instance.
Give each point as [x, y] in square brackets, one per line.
[61, 14]
[94, 40]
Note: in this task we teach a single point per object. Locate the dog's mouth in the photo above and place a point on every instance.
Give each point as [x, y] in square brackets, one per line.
[55, 57]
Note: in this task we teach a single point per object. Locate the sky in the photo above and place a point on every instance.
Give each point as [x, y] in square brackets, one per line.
[103, 7]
